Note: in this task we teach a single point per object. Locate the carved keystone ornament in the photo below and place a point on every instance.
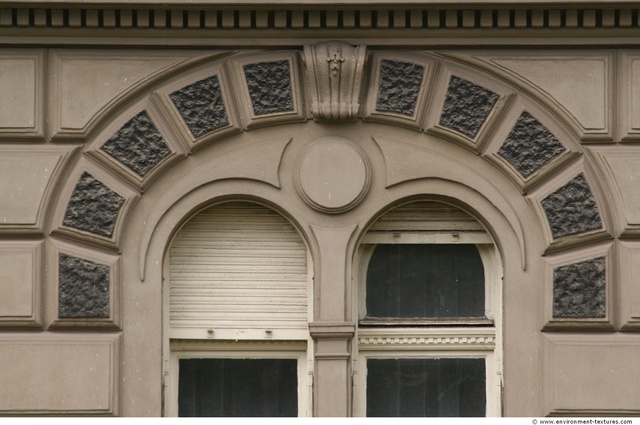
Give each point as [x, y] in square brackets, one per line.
[334, 71]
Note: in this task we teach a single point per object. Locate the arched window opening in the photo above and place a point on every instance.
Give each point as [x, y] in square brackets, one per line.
[429, 315]
[237, 315]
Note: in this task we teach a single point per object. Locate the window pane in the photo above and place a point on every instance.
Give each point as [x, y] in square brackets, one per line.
[429, 280]
[426, 387]
[238, 387]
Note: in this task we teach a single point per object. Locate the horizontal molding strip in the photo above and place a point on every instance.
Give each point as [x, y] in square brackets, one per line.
[341, 3]
[427, 339]
[407, 17]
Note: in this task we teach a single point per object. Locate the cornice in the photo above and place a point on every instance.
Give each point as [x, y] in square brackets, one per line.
[93, 18]
[316, 3]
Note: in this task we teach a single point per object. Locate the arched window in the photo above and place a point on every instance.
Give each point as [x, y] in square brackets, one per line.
[237, 315]
[429, 315]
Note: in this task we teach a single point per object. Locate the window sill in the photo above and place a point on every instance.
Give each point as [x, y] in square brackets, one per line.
[387, 322]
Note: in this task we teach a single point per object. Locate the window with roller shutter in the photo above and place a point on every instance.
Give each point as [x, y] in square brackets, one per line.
[238, 302]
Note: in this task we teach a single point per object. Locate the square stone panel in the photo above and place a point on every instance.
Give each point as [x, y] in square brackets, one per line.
[579, 81]
[17, 270]
[21, 78]
[629, 286]
[530, 145]
[267, 88]
[621, 168]
[20, 280]
[592, 375]
[629, 95]
[59, 374]
[571, 209]
[93, 207]
[83, 288]
[579, 289]
[270, 86]
[138, 145]
[18, 86]
[399, 86]
[25, 177]
[85, 83]
[201, 106]
[467, 106]
[196, 107]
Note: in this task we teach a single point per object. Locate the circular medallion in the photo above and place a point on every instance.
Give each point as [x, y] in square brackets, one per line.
[333, 174]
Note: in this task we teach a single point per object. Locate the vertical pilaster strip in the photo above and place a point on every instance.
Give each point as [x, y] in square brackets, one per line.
[331, 275]
[332, 332]
[332, 380]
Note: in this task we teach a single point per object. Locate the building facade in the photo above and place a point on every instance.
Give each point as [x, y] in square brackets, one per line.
[336, 209]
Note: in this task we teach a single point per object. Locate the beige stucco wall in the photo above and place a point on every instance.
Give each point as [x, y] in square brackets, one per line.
[60, 105]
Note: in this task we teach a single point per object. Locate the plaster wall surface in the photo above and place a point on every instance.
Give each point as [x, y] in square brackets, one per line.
[67, 104]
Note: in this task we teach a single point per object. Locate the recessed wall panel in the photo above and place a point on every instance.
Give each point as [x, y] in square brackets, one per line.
[58, 375]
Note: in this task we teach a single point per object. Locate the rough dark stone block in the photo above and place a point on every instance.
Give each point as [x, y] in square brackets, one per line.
[467, 106]
[93, 207]
[83, 288]
[399, 86]
[138, 145]
[530, 145]
[572, 209]
[269, 86]
[579, 290]
[201, 106]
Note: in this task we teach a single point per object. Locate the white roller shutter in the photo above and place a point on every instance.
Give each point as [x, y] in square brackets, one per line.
[426, 222]
[238, 270]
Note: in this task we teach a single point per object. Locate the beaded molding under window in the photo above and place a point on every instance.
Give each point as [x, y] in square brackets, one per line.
[483, 339]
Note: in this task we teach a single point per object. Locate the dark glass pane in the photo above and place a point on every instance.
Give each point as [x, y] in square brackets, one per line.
[426, 387]
[238, 387]
[435, 280]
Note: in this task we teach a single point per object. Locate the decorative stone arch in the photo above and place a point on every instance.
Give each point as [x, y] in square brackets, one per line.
[407, 125]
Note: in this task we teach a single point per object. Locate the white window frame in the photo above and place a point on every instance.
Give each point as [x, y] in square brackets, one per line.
[198, 349]
[436, 338]
[251, 343]
[432, 344]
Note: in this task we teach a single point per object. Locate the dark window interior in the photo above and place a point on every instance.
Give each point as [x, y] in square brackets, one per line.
[426, 387]
[425, 281]
[238, 387]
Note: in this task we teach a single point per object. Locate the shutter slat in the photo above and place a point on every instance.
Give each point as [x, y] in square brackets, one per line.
[238, 265]
[426, 216]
